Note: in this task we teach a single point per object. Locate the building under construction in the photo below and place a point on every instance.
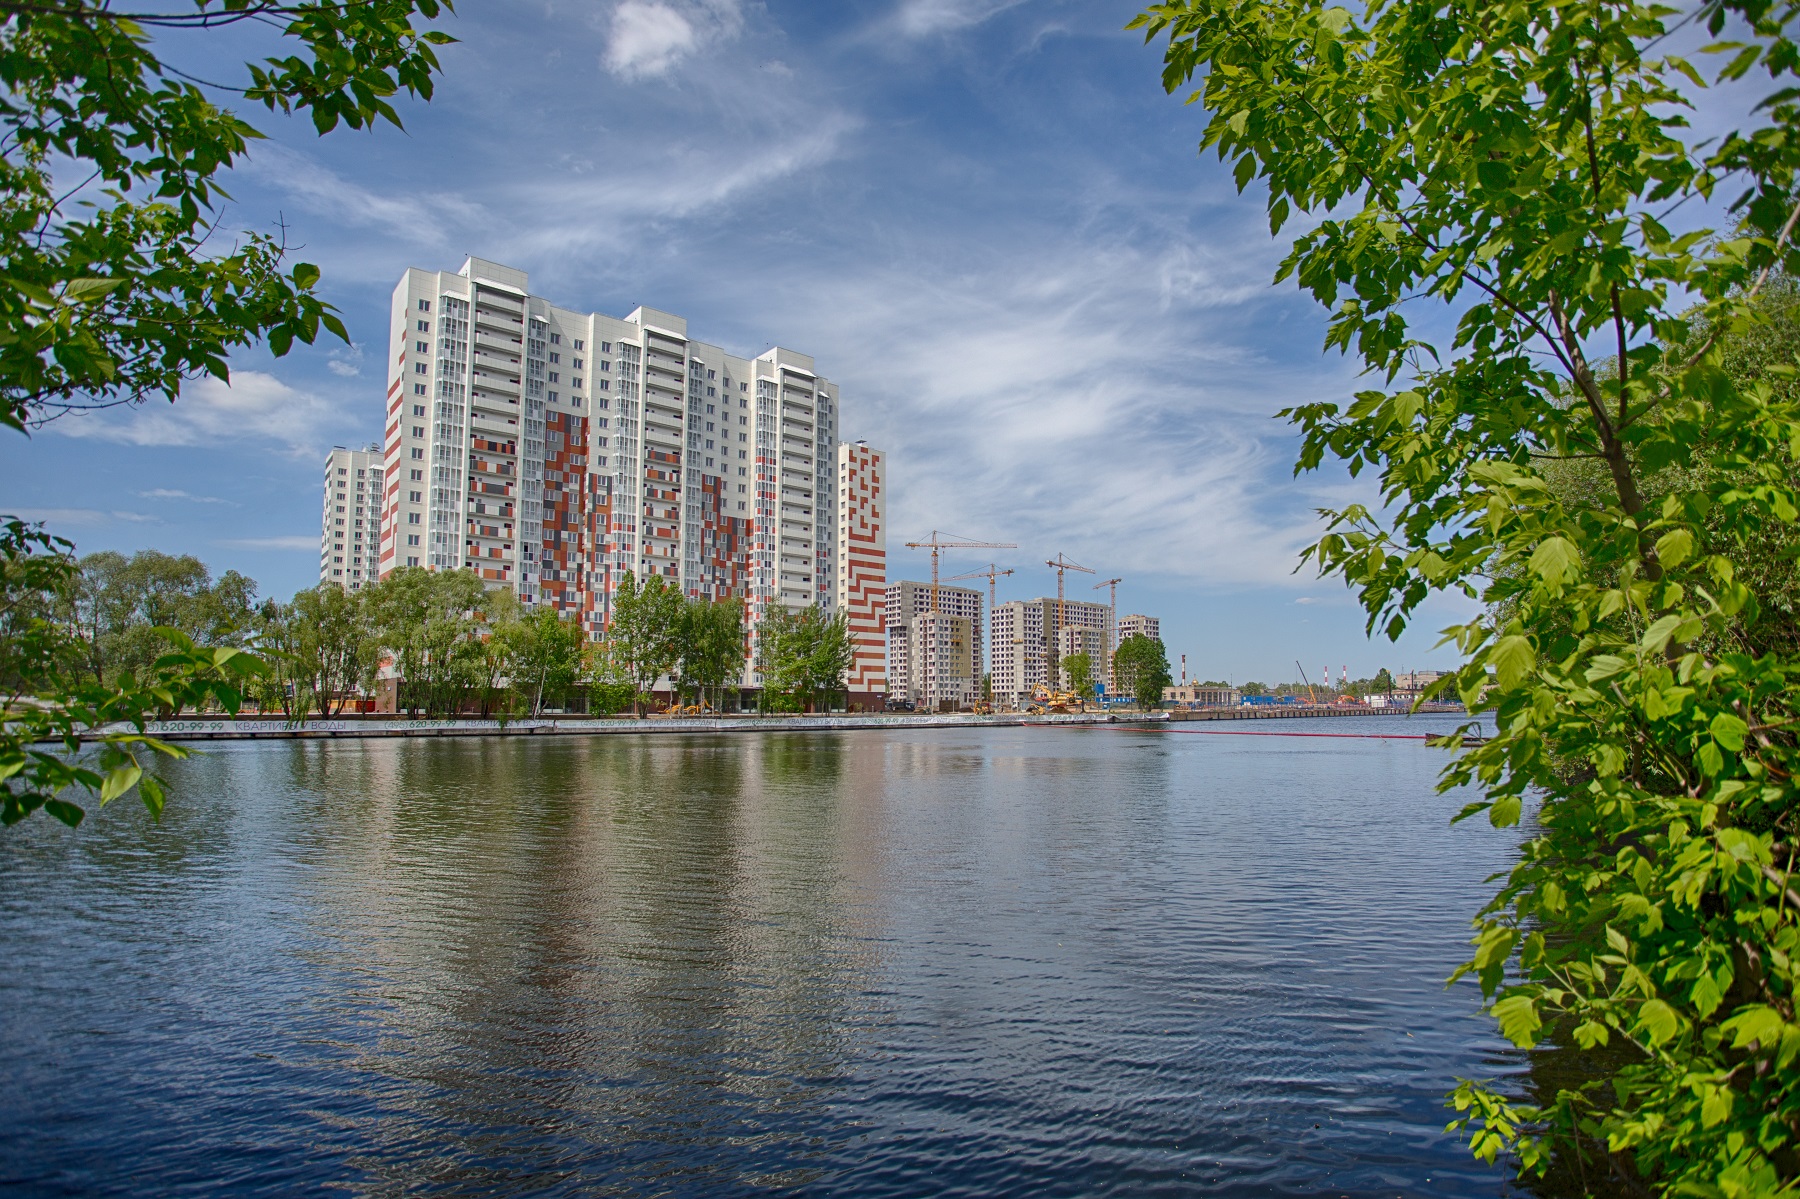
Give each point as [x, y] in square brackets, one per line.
[1028, 637]
[934, 658]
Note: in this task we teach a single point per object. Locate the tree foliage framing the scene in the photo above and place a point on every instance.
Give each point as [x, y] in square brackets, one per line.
[1522, 165]
[111, 291]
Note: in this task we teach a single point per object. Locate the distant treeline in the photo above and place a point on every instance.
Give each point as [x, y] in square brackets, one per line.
[449, 643]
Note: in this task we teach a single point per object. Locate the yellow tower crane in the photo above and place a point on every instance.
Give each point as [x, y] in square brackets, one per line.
[991, 574]
[1112, 625]
[938, 543]
[1061, 565]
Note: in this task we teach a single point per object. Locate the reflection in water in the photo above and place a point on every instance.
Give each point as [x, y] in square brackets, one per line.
[986, 962]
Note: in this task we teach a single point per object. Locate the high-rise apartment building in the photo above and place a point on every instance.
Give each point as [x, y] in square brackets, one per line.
[553, 451]
[1027, 637]
[947, 676]
[860, 588]
[351, 523]
[1138, 625]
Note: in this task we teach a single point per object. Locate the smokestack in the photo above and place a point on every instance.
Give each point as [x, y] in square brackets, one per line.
[1184, 670]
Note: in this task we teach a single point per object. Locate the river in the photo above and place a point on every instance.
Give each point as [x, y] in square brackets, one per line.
[992, 962]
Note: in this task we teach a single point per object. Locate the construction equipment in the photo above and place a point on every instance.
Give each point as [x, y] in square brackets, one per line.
[1112, 625]
[937, 544]
[1311, 698]
[991, 574]
[1061, 565]
[1044, 700]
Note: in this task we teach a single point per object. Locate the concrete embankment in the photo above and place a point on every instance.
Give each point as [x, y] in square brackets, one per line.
[275, 729]
[1296, 711]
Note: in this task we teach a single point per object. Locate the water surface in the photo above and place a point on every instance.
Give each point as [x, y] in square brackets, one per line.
[998, 962]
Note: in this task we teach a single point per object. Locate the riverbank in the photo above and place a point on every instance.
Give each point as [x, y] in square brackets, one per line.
[274, 728]
[277, 729]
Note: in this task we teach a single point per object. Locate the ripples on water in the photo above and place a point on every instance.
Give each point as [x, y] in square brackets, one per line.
[986, 962]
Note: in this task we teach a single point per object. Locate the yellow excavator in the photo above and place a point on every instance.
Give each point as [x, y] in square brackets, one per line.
[1045, 702]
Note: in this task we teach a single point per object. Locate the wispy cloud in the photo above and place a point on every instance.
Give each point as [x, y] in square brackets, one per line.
[415, 216]
[923, 18]
[295, 541]
[172, 493]
[58, 517]
[254, 406]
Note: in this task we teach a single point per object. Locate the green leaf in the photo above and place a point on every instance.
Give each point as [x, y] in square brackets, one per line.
[1658, 1021]
[1512, 658]
[1673, 547]
[1728, 731]
[1760, 1024]
[1555, 560]
[87, 290]
[1518, 1019]
[119, 780]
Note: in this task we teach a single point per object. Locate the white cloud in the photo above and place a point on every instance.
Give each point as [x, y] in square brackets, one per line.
[173, 493]
[295, 541]
[648, 37]
[254, 407]
[346, 363]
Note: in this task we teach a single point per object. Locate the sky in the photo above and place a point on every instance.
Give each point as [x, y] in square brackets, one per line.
[983, 218]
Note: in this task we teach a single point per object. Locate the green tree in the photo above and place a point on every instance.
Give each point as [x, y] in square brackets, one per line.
[48, 705]
[609, 686]
[125, 298]
[712, 647]
[430, 625]
[116, 287]
[1142, 667]
[1254, 688]
[804, 656]
[338, 649]
[1518, 162]
[544, 655]
[1078, 669]
[645, 632]
[1383, 682]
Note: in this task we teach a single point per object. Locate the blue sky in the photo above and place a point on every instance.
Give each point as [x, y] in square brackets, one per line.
[984, 219]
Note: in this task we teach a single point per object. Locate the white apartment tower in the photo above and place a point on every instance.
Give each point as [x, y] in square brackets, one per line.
[860, 585]
[553, 450]
[351, 522]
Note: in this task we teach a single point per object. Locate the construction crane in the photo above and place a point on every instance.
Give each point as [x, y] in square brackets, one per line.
[991, 574]
[1314, 699]
[1112, 623]
[938, 543]
[1061, 565]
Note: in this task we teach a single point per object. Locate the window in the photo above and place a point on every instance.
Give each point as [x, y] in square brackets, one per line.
[575, 382]
[743, 387]
[412, 518]
[606, 347]
[575, 362]
[422, 347]
[712, 374]
[424, 305]
[418, 476]
[605, 366]
[554, 377]
[419, 368]
[343, 470]
[556, 339]
[412, 539]
[555, 357]
[418, 410]
[418, 389]
[412, 560]
[575, 401]
[712, 391]
[578, 345]
[418, 430]
[413, 497]
[604, 385]
[424, 326]
[553, 397]
[419, 455]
